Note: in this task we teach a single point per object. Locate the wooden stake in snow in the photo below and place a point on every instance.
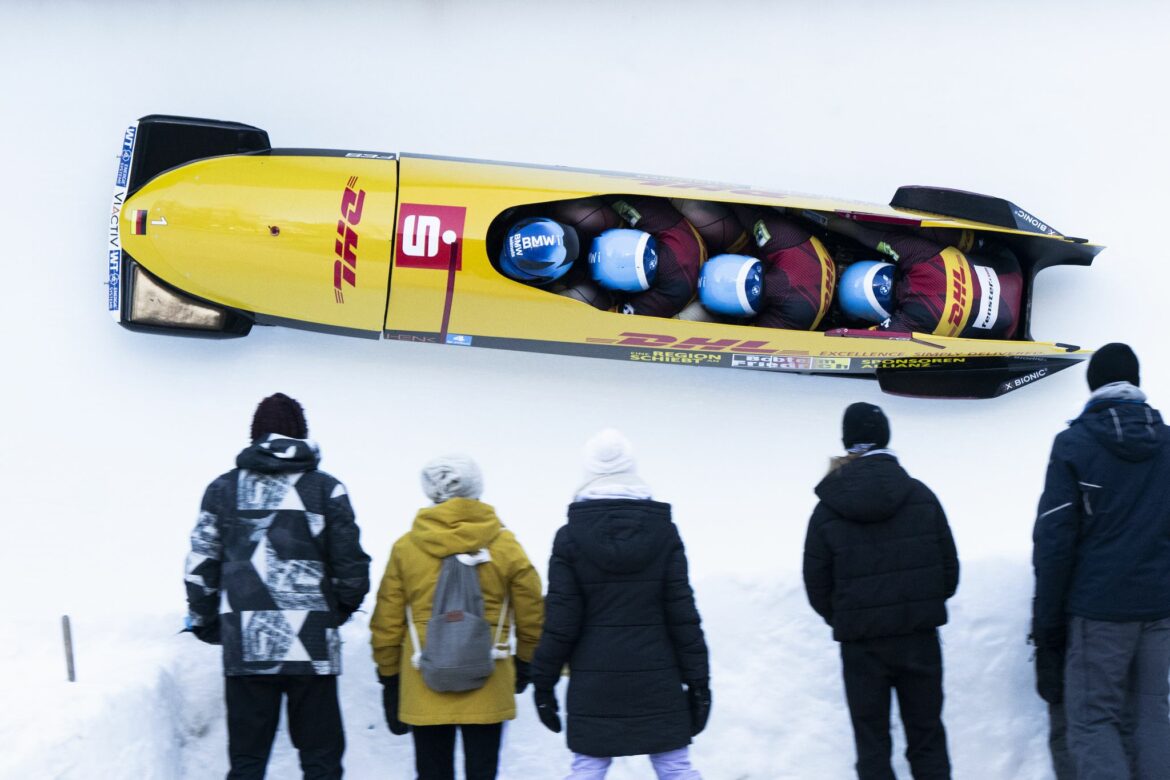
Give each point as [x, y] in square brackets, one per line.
[68, 647]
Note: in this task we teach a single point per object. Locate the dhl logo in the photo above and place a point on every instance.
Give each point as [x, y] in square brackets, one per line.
[345, 247]
[660, 340]
[958, 304]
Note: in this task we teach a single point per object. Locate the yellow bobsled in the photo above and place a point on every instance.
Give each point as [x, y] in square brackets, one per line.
[212, 230]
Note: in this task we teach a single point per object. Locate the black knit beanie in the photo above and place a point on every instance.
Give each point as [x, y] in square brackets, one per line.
[1113, 363]
[865, 424]
[281, 415]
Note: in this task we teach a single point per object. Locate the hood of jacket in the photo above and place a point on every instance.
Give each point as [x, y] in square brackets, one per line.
[1131, 431]
[280, 455]
[620, 535]
[458, 525]
[869, 489]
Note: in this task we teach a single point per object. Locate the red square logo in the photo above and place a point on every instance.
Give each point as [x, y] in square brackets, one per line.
[429, 236]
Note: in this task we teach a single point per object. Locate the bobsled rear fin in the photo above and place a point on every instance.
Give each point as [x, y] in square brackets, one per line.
[164, 142]
[981, 377]
[970, 206]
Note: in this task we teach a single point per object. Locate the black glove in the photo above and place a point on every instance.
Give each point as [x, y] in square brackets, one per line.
[546, 709]
[699, 701]
[209, 632]
[1050, 674]
[390, 704]
[1050, 643]
[522, 678]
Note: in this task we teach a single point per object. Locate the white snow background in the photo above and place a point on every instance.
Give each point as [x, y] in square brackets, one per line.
[109, 437]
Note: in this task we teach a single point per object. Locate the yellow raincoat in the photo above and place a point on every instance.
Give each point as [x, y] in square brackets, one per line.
[458, 525]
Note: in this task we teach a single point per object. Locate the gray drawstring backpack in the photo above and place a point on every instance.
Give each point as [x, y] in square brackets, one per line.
[460, 654]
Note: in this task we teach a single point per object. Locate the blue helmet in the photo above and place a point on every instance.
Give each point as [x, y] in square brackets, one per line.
[538, 250]
[732, 285]
[624, 260]
[866, 290]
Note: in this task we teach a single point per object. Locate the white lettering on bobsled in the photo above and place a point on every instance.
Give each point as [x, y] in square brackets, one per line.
[421, 236]
[1033, 221]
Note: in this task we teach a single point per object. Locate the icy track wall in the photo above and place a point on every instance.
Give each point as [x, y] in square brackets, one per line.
[779, 707]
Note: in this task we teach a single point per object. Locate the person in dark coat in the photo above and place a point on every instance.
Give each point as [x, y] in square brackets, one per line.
[879, 566]
[1102, 561]
[276, 566]
[621, 613]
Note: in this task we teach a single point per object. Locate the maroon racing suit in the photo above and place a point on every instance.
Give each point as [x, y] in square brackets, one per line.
[799, 274]
[680, 253]
[942, 289]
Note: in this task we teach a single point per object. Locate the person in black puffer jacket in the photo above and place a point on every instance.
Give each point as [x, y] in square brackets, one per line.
[879, 565]
[621, 612]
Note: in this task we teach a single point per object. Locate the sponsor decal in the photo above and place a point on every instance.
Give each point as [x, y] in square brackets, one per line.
[459, 339]
[345, 247]
[627, 212]
[957, 307]
[114, 240]
[666, 356]
[429, 236]
[790, 363]
[127, 156]
[1020, 381]
[1027, 218]
[988, 311]
[911, 362]
[828, 279]
[369, 156]
[760, 233]
[697, 344]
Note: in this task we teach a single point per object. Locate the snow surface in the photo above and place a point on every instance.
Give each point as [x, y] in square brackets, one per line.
[110, 437]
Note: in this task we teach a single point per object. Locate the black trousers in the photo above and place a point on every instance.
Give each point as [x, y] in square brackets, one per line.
[912, 667]
[314, 723]
[434, 751]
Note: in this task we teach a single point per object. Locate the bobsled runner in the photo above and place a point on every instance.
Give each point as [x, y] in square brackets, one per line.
[212, 231]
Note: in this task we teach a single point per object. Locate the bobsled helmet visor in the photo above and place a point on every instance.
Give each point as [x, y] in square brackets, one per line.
[625, 260]
[538, 250]
[866, 291]
[732, 285]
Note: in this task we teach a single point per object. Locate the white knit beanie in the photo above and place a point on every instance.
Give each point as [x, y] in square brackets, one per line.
[451, 476]
[608, 452]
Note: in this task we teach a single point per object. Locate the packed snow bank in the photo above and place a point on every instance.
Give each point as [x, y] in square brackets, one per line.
[148, 703]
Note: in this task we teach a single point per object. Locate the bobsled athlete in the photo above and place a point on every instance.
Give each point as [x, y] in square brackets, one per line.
[944, 282]
[652, 266]
[798, 274]
[543, 243]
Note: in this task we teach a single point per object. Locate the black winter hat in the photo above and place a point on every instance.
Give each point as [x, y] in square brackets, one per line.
[865, 424]
[1113, 363]
[281, 415]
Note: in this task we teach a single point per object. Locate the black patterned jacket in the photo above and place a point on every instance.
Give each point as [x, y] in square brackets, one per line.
[276, 564]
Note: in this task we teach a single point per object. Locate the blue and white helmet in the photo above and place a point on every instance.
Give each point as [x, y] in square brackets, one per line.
[625, 260]
[538, 250]
[866, 290]
[732, 285]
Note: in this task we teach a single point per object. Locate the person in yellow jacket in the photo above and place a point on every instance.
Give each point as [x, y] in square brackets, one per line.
[457, 523]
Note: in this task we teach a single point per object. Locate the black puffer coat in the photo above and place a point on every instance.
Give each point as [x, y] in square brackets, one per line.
[621, 613]
[879, 559]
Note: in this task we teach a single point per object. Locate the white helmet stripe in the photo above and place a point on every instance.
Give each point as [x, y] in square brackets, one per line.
[741, 287]
[640, 259]
[867, 286]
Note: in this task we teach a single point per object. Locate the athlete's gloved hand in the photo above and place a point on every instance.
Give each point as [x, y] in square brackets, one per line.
[390, 704]
[522, 678]
[546, 709]
[699, 701]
